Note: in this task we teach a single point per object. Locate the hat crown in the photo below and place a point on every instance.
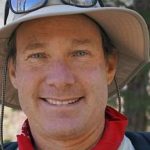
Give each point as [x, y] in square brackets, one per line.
[13, 16]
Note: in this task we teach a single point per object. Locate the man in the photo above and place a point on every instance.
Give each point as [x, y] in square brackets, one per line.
[60, 64]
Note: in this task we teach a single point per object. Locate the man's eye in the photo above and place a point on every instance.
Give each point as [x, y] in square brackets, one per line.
[80, 53]
[37, 55]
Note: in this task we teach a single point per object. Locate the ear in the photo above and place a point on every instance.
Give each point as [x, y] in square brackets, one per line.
[12, 72]
[111, 65]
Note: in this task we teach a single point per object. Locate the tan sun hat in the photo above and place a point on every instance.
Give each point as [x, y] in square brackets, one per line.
[126, 28]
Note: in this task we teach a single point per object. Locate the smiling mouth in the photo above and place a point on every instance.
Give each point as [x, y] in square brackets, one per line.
[62, 102]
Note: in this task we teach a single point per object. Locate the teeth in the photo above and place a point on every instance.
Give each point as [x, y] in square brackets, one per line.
[56, 102]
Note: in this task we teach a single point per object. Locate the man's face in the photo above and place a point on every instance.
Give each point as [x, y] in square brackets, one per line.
[61, 75]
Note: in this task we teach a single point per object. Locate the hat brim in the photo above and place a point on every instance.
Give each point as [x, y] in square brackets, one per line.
[126, 28]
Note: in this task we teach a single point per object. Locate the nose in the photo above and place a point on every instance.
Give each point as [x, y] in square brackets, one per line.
[60, 75]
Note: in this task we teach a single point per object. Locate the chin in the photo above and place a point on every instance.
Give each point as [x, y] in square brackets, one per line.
[64, 131]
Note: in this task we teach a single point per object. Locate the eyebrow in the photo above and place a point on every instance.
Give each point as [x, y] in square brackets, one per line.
[33, 45]
[81, 42]
[37, 45]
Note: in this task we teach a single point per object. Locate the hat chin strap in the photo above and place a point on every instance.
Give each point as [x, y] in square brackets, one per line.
[3, 95]
[118, 94]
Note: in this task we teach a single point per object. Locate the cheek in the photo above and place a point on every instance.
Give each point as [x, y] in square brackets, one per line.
[94, 80]
[27, 74]
[28, 81]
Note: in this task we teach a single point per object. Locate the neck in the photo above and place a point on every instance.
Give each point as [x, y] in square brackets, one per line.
[85, 141]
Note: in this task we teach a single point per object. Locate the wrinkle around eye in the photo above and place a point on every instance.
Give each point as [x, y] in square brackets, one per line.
[37, 55]
[80, 53]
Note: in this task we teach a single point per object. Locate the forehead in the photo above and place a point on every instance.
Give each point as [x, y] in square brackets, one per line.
[79, 26]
